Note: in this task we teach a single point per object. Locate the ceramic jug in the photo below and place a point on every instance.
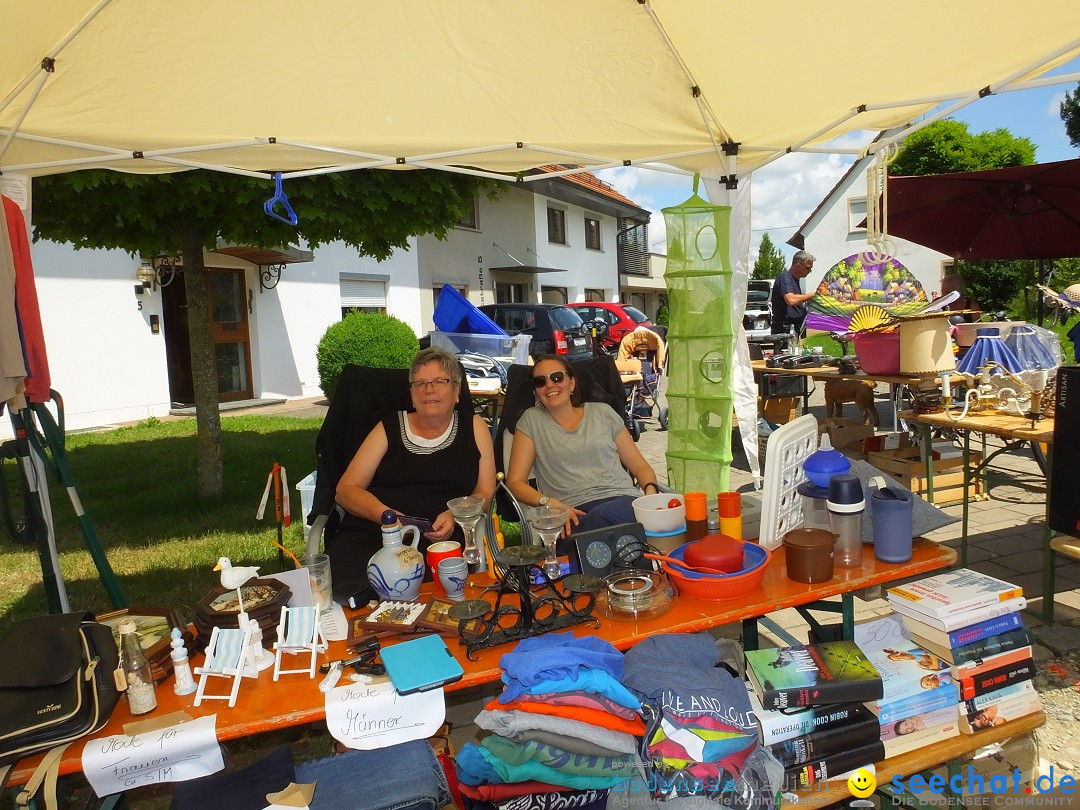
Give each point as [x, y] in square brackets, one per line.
[397, 569]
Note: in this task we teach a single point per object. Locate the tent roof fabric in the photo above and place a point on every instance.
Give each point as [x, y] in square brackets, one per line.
[263, 85]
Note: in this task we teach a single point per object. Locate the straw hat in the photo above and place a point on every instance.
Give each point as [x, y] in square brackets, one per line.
[1070, 299]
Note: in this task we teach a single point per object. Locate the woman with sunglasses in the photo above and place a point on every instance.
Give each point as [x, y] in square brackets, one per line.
[583, 457]
[413, 462]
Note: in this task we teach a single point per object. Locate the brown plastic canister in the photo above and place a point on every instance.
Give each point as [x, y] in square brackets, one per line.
[809, 554]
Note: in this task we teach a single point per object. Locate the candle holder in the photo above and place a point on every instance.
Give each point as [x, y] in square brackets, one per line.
[520, 610]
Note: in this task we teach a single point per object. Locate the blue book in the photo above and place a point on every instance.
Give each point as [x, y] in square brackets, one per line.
[976, 631]
[931, 699]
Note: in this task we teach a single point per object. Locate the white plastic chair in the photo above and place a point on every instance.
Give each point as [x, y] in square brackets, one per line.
[228, 655]
[298, 631]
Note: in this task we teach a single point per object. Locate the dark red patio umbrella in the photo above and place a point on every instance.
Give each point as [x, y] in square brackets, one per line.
[1022, 212]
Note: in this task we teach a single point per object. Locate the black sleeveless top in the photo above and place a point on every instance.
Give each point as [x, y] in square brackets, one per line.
[413, 479]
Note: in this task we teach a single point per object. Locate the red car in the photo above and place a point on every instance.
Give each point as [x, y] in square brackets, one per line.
[620, 318]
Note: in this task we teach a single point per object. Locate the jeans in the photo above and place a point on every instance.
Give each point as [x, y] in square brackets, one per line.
[402, 777]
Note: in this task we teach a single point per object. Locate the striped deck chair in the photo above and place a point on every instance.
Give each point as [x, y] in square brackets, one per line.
[228, 655]
[298, 631]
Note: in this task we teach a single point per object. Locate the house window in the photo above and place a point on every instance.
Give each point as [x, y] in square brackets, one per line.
[509, 293]
[856, 207]
[360, 294]
[556, 226]
[592, 233]
[470, 220]
[592, 294]
[553, 295]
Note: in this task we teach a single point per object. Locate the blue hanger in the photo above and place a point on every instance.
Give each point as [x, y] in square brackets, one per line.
[279, 197]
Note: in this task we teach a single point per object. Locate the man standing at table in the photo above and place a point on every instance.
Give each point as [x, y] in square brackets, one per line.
[788, 300]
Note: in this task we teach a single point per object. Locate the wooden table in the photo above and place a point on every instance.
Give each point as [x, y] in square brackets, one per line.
[947, 752]
[1016, 431]
[266, 705]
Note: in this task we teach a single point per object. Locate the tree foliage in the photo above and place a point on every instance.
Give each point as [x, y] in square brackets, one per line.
[186, 213]
[770, 261]
[1070, 114]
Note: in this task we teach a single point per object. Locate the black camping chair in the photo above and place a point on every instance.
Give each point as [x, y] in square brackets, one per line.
[362, 397]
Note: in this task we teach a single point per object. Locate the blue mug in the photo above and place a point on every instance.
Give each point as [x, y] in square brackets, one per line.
[891, 512]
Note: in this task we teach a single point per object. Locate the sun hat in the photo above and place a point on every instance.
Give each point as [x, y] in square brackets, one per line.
[1070, 299]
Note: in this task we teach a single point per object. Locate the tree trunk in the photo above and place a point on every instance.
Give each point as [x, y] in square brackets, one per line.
[210, 477]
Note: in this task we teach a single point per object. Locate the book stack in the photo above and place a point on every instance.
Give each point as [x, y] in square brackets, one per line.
[972, 622]
[808, 705]
[919, 705]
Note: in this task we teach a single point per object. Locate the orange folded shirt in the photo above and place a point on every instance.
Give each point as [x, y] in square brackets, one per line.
[594, 717]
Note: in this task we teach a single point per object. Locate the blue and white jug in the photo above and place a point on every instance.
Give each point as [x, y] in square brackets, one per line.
[397, 569]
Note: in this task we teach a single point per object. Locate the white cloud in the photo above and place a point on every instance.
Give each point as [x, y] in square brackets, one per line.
[1053, 109]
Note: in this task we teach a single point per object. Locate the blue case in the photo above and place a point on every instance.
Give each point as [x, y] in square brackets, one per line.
[421, 664]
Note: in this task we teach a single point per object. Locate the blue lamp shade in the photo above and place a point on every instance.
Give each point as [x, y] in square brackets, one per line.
[1029, 350]
[988, 346]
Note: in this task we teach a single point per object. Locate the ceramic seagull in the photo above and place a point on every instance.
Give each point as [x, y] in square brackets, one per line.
[233, 577]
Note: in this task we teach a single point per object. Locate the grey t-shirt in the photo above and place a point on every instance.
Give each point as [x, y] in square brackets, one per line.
[581, 465]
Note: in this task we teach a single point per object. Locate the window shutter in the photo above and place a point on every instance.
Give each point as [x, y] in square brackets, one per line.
[362, 292]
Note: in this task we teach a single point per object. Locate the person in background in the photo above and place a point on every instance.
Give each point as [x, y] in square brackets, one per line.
[413, 462]
[788, 301]
[583, 456]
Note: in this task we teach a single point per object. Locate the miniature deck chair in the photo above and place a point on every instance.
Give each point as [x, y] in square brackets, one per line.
[299, 632]
[228, 655]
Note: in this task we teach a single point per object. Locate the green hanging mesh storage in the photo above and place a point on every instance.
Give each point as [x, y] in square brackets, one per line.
[701, 346]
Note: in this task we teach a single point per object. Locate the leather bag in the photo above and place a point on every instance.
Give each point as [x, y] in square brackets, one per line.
[56, 684]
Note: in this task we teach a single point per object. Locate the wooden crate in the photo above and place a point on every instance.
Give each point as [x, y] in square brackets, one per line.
[907, 467]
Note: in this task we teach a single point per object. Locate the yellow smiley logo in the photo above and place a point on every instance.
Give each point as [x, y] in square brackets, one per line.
[861, 783]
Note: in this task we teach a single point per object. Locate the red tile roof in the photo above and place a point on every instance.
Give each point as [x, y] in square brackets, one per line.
[591, 182]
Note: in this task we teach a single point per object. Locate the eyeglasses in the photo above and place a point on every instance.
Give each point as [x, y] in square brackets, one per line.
[437, 383]
[556, 377]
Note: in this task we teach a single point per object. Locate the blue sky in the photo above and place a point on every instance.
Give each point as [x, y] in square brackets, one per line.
[785, 192]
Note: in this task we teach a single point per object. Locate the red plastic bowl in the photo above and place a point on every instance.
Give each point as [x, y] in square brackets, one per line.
[721, 587]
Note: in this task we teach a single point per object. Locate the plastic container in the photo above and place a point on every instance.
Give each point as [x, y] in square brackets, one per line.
[720, 587]
[891, 512]
[504, 348]
[878, 352]
[666, 542]
[809, 554]
[697, 515]
[456, 313]
[652, 512]
[717, 551]
[729, 506]
[825, 462]
[306, 488]
[815, 506]
[846, 507]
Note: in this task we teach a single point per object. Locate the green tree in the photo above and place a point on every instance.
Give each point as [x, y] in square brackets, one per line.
[770, 261]
[1070, 114]
[186, 213]
[947, 146]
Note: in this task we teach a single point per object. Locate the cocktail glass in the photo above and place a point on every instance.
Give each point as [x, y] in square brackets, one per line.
[548, 521]
[467, 511]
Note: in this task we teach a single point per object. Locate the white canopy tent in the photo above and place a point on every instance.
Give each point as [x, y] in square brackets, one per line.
[488, 86]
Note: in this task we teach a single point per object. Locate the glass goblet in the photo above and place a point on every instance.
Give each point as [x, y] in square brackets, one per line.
[548, 521]
[467, 511]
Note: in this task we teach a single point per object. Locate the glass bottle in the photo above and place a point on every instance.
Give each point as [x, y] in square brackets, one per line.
[136, 669]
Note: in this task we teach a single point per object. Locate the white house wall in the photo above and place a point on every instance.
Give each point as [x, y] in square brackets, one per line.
[593, 269]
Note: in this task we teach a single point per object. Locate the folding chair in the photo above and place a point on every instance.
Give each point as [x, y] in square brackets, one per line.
[228, 655]
[298, 632]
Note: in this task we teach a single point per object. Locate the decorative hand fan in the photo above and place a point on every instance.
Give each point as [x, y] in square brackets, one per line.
[853, 283]
[870, 317]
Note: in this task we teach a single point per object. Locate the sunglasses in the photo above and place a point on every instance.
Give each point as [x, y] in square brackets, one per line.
[540, 380]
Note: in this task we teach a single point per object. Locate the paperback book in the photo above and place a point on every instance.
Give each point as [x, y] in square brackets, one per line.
[1022, 689]
[811, 773]
[931, 700]
[953, 592]
[776, 726]
[972, 668]
[812, 675]
[911, 726]
[997, 678]
[905, 669]
[994, 645]
[818, 745]
[959, 621]
[918, 739]
[1000, 713]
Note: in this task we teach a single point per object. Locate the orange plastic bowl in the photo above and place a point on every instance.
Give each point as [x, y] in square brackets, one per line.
[721, 587]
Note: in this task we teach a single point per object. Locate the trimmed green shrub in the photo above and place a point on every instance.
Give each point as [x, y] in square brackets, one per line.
[662, 316]
[366, 339]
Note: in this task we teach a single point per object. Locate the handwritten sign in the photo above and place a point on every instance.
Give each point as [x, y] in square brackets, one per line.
[367, 716]
[121, 762]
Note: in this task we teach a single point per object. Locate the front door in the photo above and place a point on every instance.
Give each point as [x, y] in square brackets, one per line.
[229, 332]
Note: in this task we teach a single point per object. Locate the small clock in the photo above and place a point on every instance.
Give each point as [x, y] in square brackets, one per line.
[612, 548]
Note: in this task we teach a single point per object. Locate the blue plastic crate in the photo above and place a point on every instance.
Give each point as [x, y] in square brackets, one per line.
[456, 313]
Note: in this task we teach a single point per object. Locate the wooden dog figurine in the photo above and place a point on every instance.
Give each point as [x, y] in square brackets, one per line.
[861, 392]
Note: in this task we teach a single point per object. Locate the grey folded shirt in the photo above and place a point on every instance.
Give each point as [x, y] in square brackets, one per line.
[509, 723]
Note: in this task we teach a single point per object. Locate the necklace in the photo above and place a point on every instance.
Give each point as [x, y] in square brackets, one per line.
[429, 432]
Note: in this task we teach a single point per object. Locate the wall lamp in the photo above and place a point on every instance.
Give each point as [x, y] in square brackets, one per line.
[146, 275]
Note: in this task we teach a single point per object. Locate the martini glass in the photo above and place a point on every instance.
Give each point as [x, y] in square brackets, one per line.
[467, 511]
[548, 521]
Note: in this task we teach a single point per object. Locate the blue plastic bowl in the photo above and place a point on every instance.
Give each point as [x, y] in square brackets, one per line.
[754, 556]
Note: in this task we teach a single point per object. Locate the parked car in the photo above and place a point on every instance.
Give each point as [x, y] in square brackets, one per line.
[620, 318]
[757, 318]
[555, 329]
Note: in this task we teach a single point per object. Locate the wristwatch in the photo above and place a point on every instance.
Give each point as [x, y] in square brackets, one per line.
[544, 500]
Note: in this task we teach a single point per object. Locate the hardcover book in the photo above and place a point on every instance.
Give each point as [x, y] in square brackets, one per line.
[905, 668]
[1022, 689]
[776, 726]
[970, 669]
[818, 745]
[953, 592]
[997, 678]
[994, 645]
[810, 773]
[946, 695]
[812, 675]
[964, 620]
[1000, 713]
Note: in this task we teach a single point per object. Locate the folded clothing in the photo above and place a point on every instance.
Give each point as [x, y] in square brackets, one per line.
[593, 716]
[586, 680]
[477, 765]
[558, 655]
[513, 753]
[587, 700]
[510, 723]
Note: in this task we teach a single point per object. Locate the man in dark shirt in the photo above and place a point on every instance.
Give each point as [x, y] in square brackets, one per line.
[788, 300]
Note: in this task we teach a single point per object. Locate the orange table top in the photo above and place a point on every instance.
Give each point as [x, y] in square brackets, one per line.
[265, 705]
